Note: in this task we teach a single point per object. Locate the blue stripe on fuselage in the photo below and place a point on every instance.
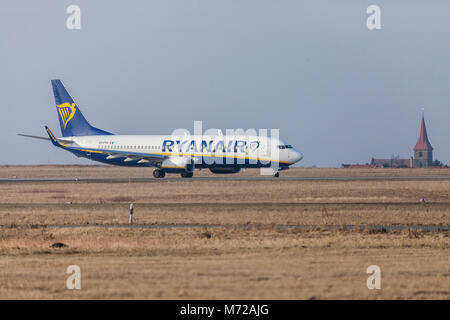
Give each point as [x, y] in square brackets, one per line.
[213, 161]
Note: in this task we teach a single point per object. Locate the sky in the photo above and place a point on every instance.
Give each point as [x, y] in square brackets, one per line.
[337, 91]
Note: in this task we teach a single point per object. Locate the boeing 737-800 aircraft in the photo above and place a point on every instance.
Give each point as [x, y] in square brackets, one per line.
[166, 153]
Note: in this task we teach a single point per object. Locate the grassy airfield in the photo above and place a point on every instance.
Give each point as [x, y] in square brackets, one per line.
[223, 239]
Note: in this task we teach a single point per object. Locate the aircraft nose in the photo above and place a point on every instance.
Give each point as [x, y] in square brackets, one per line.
[296, 156]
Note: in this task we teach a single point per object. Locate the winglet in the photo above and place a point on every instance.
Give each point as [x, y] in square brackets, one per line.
[52, 137]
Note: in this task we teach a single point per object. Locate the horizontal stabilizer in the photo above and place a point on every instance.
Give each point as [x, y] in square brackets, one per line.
[45, 138]
[35, 137]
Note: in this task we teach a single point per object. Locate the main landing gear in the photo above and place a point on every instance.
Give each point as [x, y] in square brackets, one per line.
[187, 174]
[276, 174]
[158, 173]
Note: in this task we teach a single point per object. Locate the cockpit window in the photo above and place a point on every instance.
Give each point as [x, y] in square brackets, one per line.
[286, 146]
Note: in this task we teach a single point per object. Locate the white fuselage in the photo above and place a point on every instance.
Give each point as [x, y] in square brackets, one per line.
[206, 151]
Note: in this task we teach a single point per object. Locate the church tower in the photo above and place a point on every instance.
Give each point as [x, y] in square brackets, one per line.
[423, 151]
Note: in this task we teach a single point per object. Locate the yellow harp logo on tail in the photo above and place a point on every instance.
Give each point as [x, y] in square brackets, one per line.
[66, 112]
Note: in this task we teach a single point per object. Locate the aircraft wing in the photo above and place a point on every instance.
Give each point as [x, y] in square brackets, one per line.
[133, 156]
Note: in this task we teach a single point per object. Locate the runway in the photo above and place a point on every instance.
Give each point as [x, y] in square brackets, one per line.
[226, 178]
[369, 228]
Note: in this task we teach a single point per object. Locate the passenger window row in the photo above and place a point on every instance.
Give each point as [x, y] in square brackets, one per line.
[120, 147]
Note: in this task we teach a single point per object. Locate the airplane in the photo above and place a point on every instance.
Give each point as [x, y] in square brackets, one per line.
[219, 153]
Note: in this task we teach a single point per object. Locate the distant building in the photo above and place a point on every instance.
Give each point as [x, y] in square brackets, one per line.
[394, 162]
[423, 155]
[423, 151]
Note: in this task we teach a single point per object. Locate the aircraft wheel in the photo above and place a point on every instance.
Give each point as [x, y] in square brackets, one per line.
[276, 175]
[187, 175]
[158, 173]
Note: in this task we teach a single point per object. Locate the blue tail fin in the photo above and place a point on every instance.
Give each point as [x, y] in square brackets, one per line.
[71, 120]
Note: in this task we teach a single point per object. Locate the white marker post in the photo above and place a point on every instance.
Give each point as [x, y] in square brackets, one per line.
[131, 213]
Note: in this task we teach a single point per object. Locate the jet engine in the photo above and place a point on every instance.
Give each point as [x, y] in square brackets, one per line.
[225, 170]
[178, 165]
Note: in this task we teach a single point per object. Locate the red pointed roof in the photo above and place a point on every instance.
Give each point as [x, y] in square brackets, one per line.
[422, 142]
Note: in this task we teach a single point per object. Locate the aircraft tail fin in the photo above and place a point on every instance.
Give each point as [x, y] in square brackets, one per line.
[71, 120]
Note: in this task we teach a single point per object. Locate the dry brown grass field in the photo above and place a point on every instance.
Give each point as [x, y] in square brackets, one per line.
[239, 251]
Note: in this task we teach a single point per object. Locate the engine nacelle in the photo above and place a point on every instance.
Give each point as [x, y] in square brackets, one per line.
[225, 170]
[178, 165]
